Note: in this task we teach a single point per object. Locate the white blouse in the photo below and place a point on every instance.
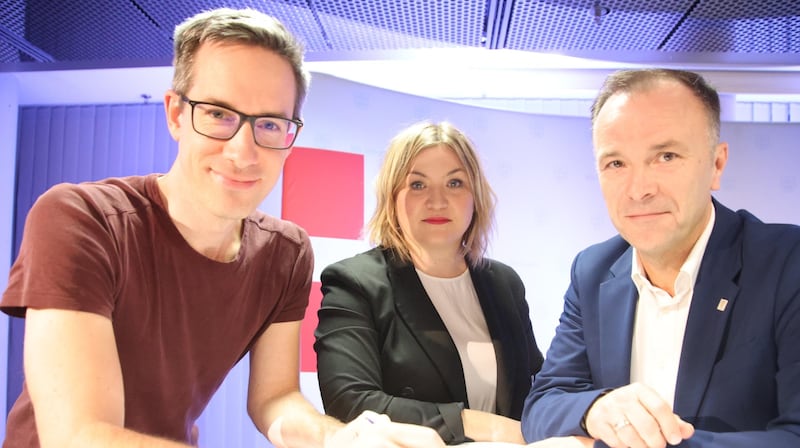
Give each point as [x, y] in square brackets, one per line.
[457, 303]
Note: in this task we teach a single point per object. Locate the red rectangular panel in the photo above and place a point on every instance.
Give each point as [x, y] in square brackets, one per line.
[323, 192]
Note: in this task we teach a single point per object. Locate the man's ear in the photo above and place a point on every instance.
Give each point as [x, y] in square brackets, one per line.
[720, 160]
[173, 106]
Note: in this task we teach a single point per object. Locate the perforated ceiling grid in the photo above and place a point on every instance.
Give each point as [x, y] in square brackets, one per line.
[98, 30]
[401, 24]
[572, 25]
[12, 19]
[295, 15]
[124, 32]
[769, 26]
[766, 26]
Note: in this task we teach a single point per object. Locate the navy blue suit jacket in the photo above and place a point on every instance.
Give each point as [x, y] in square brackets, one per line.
[739, 374]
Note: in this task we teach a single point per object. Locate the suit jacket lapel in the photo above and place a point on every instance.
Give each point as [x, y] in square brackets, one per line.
[616, 314]
[713, 299]
[495, 309]
[415, 308]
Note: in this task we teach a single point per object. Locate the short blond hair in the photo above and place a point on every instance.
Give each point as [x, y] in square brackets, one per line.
[634, 80]
[384, 227]
[237, 26]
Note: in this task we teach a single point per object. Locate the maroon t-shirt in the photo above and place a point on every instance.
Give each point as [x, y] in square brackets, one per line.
[181, 320]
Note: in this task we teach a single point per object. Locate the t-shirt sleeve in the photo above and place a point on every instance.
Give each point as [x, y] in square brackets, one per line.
[299, 284]
[66, 257]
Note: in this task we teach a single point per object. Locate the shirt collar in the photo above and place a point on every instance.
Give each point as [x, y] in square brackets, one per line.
[687, 275]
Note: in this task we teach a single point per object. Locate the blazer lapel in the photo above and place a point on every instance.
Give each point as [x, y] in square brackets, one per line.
[714, 297]
[616, 313]
[415, 308]
[494, 310]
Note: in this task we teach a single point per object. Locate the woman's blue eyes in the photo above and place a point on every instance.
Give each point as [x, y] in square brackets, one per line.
[453, 183]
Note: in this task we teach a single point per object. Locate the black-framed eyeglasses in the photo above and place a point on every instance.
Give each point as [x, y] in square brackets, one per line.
[222, 123]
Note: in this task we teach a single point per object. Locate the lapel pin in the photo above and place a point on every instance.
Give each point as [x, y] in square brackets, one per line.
[723, 303]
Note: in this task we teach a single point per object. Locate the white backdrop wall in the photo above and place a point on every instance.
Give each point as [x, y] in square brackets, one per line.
[542, 169]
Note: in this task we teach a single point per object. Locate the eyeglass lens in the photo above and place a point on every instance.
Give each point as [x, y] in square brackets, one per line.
[223, 123]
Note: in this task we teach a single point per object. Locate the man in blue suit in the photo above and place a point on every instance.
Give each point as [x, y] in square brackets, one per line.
[683, 329]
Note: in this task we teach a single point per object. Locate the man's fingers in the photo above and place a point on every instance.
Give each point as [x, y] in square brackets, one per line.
[665, 421]
[636, 416]
[646, 427]
[686, 430]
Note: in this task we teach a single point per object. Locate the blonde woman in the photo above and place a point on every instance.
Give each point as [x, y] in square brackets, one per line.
[424, 327]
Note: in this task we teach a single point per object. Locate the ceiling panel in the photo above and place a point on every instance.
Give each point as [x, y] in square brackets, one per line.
[94, 30]
[401, 24]
[295, 14]
[120, 32]
[758, 36]
[12, 27]
[621, 25]
[757, 27]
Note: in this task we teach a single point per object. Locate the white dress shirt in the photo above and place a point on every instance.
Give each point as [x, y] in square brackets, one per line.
[661, 321]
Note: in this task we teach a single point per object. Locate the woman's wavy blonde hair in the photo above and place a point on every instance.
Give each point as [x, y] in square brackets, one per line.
[384, 228]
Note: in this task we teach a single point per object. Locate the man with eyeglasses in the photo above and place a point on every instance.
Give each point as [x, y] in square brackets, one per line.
[220, 122]
[141, 293]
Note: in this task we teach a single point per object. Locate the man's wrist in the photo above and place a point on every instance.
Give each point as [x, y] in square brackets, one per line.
[330, 428]
[588, 408]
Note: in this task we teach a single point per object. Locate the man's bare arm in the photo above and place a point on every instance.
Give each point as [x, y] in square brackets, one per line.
[73, 375]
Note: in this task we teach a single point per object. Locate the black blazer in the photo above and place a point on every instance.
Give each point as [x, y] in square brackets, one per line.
[382, 346]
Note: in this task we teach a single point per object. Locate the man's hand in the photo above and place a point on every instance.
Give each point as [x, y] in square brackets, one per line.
[635, 416]
[369, 430]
